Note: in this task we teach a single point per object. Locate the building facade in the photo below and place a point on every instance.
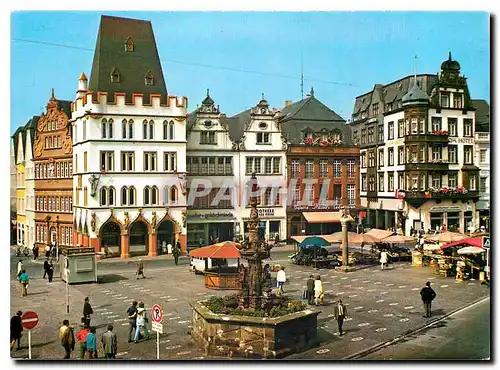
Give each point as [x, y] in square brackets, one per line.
[417, 143]
[21, 226]
[322, 167]
[52, 168]
[482, 157]
[129, 147]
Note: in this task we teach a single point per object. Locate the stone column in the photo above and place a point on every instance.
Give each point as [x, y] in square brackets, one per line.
[344, 220]
[377, 212]
[387, 220]
[125, 247]
[152, 244]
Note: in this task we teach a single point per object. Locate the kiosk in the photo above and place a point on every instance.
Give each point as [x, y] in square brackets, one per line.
[78, 265]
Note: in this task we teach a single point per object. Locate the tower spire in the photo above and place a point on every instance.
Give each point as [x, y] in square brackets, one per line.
[52, 96]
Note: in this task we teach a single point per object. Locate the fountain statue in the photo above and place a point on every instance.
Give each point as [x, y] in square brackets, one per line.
[254, 250]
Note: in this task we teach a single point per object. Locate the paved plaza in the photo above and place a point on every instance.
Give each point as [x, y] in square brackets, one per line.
[381, 305]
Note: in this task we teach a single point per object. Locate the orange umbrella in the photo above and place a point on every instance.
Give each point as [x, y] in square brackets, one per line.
[399, 239]
[447, 237]
[226, 249]
[353, 238]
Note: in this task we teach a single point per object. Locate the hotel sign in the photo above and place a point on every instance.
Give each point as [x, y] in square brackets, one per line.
[461, 140]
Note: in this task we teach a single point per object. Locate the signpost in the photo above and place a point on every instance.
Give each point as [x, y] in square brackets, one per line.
[486, 244]
[67, 285]
[157, 316]
[29, 320]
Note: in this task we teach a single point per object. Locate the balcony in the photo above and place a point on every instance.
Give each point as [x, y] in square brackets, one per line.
[418, 197]
[434, 137]
[432, 165]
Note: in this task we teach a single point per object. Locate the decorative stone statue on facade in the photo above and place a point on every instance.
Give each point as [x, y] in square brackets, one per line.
[94, 183]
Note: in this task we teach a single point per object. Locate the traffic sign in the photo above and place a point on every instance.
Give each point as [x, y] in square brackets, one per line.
[156, 313]
[157, 327]
[29, 320]
[486, 241]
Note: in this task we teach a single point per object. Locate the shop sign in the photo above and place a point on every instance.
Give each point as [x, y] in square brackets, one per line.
[395, 142]
[461, 140]
[445, 209]
[265, 212]
[316, 206]
[209, 216]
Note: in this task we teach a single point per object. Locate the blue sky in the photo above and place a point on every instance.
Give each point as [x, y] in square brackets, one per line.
[344, 54]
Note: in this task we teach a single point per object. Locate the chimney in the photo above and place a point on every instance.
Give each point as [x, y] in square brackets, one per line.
[288, 103]
[82, 86]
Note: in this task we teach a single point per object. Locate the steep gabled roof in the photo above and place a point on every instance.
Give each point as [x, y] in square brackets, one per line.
[310, 109]
[310, 113]
[237, 124]
[110, 53]
[482, 115]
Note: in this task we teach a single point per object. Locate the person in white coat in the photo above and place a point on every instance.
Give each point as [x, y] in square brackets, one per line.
[169, 248]
[319, 295]
[19, 268]
[281, 280]
[383, 259]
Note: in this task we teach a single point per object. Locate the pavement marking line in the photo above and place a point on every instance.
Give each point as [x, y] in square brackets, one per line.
[364, 324]
[404, 319]
[352, 296]
[388, 315]
[348, 319]
[380, 329]
[391, 284]
[376, 347]
[402, 286]
[321, 351]
[393, 304]
[183, 322]
[354, 279]
[358, 307]
[444, 286]
[113, 316]
[121, 353]
[409, 307]
[183, 353]
[173, 347]
[371, 290]
[118, 320]
[124, 324]
[340, 293]
[357, 339]
[174, 318]
[384, 293]
[414, 288]
[372, 311]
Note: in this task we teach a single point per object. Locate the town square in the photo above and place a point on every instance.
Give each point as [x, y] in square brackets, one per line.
[329, 216]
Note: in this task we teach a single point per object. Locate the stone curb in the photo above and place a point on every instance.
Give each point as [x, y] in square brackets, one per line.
[376, 347]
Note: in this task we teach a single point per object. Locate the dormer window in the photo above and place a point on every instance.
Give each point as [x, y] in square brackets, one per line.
[263, 111]
[148, 79]
[262, 125]
[263, 138]
[129, 44]
[115, 75]
[208, 124]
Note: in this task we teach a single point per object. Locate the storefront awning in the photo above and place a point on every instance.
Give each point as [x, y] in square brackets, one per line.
[321, 217]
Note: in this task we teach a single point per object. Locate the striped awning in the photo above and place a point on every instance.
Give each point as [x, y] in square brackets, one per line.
[321, 217]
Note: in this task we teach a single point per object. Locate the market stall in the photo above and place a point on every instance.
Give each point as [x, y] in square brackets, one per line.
[472, 256]
[219, 263]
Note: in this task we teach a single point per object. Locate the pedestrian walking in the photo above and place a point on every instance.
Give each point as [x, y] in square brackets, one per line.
[169, 249]
[383, 259]
[132, 319]
[319, 295]
[310, 289]
[35, 252]
[176, 251]
[67, 338]
[427, 294]
[16, 328]
[340, 313]
[140, 269]
[20, 268]
[201, 242]
[47, 251]
[281, 280]
[142, 322]
[45, 268]
[24, 280]
[158, 249]
[87, 311]
[81, 337]
[109, 343]
[91, 344]
[50, 271]
[164, 247]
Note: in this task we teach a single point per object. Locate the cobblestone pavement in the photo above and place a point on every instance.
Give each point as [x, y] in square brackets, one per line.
[381, 305]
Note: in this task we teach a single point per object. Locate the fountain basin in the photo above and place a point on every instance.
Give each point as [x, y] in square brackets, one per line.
[253, 337]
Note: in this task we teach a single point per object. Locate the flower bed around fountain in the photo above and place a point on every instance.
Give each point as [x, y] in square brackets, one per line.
[224, 330]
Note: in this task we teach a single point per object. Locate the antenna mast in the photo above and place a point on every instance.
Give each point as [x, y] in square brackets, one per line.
[301, 78]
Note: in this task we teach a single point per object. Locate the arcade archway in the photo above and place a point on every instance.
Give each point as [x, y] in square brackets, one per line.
[138, 239]
[110, 239]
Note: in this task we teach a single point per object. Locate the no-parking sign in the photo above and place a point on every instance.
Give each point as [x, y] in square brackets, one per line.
[156, 313]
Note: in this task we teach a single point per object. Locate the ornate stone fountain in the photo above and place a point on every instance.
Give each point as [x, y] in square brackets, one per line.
[242, 333]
